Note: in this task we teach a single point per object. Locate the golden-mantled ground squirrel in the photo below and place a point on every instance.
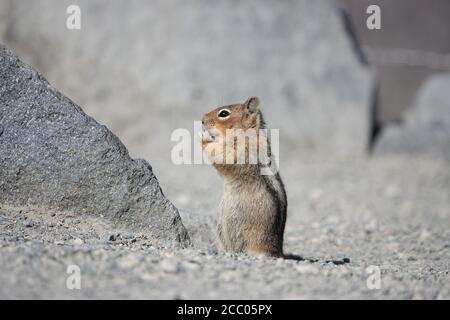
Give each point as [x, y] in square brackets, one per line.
[253, 209]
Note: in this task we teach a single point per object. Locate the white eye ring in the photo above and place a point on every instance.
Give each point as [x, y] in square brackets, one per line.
[224, 113]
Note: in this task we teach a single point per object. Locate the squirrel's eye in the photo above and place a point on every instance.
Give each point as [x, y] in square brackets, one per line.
[224, 113]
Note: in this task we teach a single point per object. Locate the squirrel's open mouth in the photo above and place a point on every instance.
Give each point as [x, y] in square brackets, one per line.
[208, 134]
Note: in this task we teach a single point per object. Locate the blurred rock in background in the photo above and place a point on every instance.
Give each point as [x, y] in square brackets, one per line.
[425, 129]
[412, 44]
[134, 63]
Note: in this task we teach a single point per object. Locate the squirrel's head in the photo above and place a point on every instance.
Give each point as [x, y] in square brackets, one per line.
[236, 116]
[231, 135]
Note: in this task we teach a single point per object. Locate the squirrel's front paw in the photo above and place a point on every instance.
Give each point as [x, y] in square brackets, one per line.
[208, 135]
[205, 136]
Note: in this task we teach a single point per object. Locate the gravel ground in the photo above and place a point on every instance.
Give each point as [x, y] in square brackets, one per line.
[390, 212]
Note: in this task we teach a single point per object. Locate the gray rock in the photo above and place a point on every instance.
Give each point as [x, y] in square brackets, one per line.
[421, 141]
[55, 156]
[188, 57]
[432, 105]
[426, 126]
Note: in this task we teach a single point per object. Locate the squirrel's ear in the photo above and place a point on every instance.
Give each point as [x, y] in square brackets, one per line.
[252, 104]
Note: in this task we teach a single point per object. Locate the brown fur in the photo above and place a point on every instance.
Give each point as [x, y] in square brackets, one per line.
[253, 209]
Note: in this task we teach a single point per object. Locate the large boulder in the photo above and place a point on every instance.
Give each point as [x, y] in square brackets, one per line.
[183, 58]
[55, 156]
[432, 105]
[425, 129]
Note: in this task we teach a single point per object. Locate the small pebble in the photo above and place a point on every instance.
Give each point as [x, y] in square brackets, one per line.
[28, 224]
